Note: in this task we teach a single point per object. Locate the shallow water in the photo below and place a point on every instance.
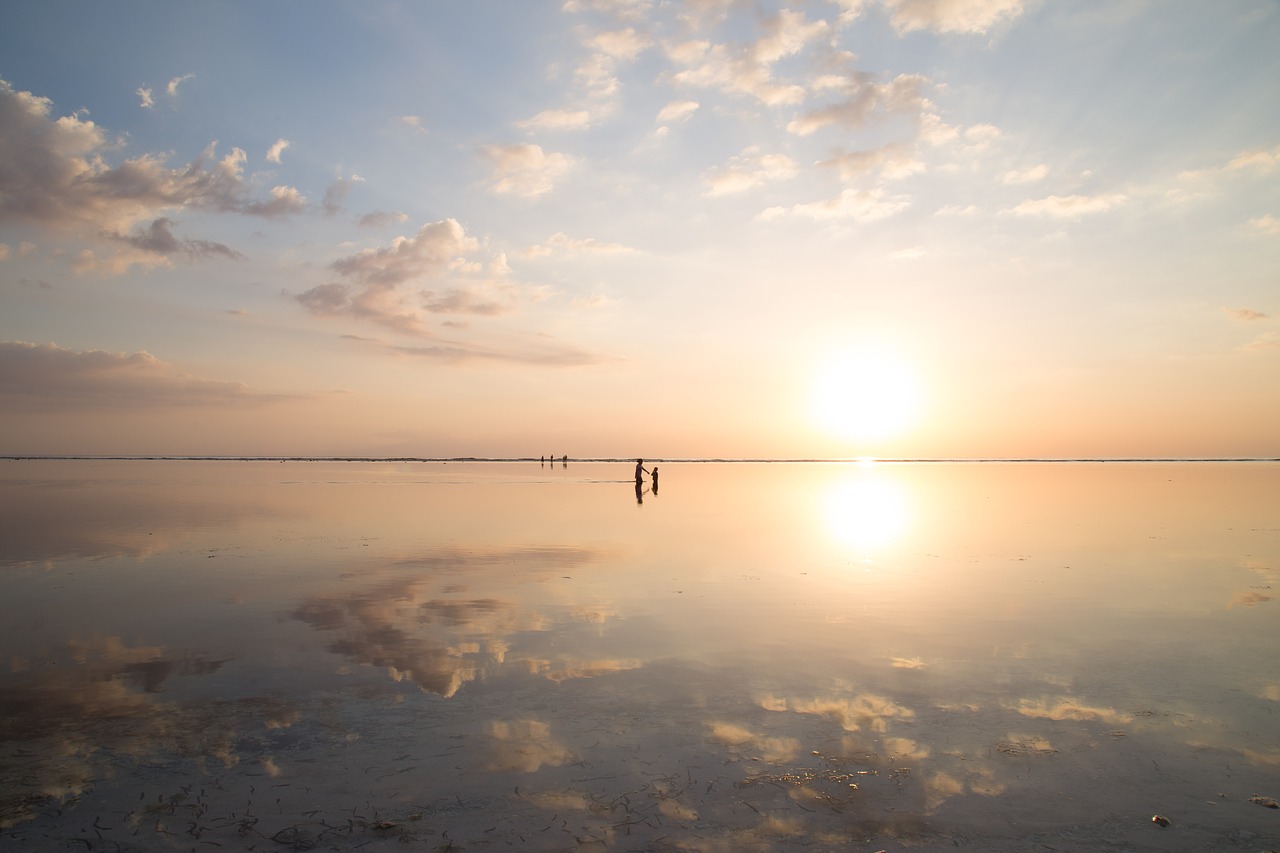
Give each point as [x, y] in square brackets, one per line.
[758, 657]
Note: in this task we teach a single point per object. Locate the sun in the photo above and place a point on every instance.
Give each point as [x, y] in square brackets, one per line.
[866, 395]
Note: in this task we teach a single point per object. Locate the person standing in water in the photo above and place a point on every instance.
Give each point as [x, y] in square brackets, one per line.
[654, 475]
[640, 471]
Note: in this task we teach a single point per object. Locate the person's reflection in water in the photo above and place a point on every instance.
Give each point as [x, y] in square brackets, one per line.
[640, 472]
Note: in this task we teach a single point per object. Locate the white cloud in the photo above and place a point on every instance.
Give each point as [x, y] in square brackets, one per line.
[850, 10]
[858, 205]
[748, 68]
[1265, 224]
[413, 123]
[1262, 159]
[172, 88]
[935, 131]
[144, 93]
[623, 9]
[525, 170]
[864, 101]
[558, 120]
[677, 111]
[277, 148]
[564, 244]
[1033, 175]
[894, 161]
[950, 16]
[1069, 207]
[748, 170]
[620, 44]
[979, 137]
[430, 250]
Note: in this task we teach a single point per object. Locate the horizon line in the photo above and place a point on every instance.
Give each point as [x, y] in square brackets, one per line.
[619, 459]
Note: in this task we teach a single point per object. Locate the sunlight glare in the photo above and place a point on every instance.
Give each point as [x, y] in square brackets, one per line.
[866, 512]
[868, 394]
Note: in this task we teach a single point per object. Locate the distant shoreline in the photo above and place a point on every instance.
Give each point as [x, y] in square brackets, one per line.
[627, 460]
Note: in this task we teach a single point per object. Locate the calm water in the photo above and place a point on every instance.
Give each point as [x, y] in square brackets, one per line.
[758, 657]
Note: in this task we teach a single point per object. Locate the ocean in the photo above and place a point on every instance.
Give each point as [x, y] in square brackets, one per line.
[754, 655]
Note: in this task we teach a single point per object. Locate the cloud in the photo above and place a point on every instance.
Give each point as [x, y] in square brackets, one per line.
[381, 219]
[866, 101]
[894, 160]
[47, 376]
[545, 354]
[858, 205]
[596, 77]
[525, 170]
[414, 123]
[336, 193]
[172, 88]
[370, 281]
[1033, 175]
[624, 44]
[1069, 207]
[564, 244]
[427, 252]
[276, 149]
[158, 239]
[979, 137]
[623, 9]
[1263, 343]
[283, 202]
[55, 174]
[1245, 314]
[950, 16]
[1265, 224]
[748, 68]
[1261, 159]
[144, 93]
[677, 111]
[748, 170]
[557, 120]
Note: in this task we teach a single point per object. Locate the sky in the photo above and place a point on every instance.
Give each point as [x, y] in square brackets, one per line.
[711, 228]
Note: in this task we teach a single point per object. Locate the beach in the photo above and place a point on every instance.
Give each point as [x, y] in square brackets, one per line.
[206, 654]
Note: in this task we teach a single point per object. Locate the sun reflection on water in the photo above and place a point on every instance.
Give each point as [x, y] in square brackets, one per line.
[866, 511]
